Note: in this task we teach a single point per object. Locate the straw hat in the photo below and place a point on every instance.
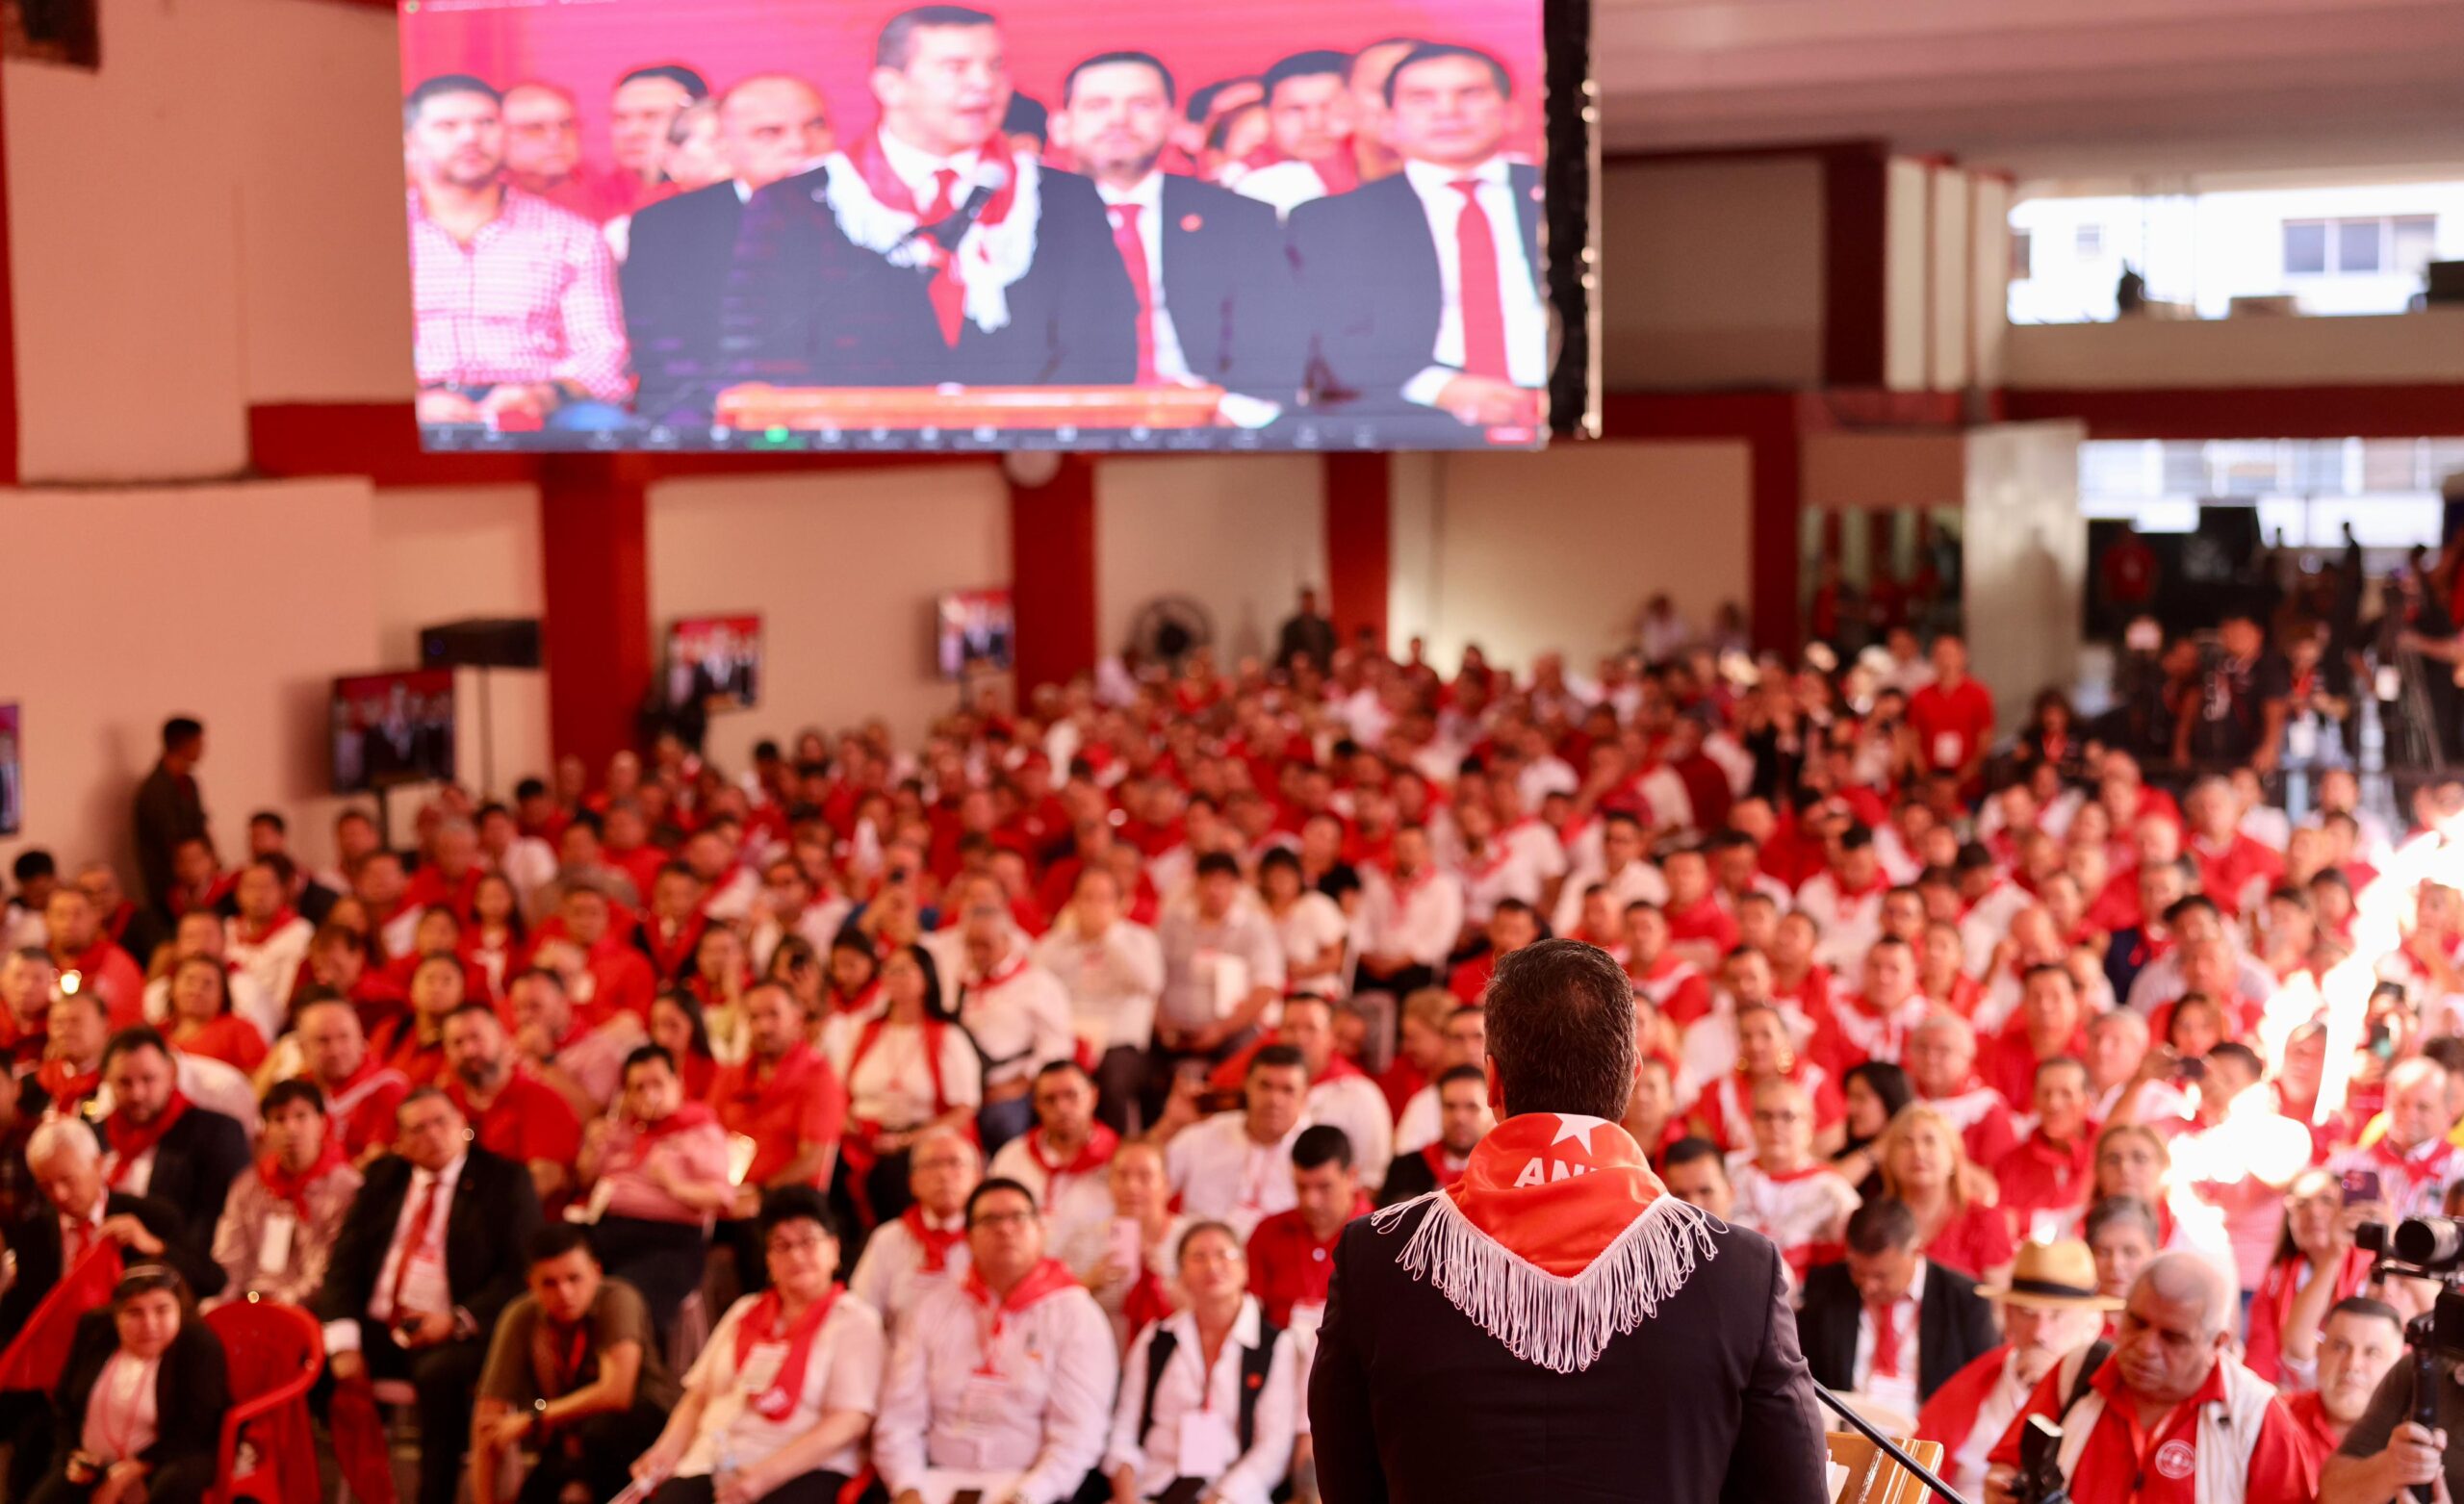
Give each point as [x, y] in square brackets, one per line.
[2059, 1274]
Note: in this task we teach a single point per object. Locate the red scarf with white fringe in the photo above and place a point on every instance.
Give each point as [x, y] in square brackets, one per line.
[1557, 1237]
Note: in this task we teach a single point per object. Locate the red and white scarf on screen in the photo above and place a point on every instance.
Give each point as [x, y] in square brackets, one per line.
[1557, 1239]
[876, 210]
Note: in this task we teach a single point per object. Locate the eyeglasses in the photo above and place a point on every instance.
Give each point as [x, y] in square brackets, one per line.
[1002, 1218]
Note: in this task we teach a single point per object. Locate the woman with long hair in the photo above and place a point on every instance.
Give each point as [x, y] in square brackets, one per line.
[202, 1021]
[2315, 1265]
[495, 944]
[1873, 1092]
[1923, 1162]
[2132, 1161]
[677, 1027]
[911, 1068]
[1765, 1052]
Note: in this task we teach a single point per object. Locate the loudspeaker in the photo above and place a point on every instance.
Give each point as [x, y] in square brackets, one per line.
[482, 643]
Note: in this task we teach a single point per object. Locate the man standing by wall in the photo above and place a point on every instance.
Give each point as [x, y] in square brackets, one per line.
[169, 809]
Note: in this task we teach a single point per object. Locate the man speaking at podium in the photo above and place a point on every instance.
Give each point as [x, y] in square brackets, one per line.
[1557, 1325]
[931, 250]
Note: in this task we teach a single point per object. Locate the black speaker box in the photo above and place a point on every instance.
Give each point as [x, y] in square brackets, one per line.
[482, 643]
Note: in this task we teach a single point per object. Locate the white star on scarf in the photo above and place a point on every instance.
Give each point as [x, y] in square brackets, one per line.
[1577, 1128]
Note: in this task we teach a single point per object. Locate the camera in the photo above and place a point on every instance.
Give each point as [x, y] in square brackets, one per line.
[2424, 1248]
[2432, 1247]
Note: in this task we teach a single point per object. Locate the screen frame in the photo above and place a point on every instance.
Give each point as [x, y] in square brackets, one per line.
[966, 670]
[1570, 205]
[336, 696]
[675, 627]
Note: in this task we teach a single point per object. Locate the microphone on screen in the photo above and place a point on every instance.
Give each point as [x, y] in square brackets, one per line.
[989, 177]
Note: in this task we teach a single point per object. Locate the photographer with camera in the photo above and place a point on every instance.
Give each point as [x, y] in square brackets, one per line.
[2397, 1446]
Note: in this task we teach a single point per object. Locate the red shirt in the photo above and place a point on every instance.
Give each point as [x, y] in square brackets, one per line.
[2041, 1176]
[1951, 724]
[234, 1041]
[2319, 1435]
[798, 1101]
[1289, 1266]
[2124, 1463]
[1977, 1240]
[363, 1107]
[620, 983]
[2275, 1300]
[2223, 874]
[528, 1120]
[1471, 978]
[1708, 921]
[106, 971]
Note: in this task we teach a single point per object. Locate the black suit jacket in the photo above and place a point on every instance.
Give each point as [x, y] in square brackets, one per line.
[194, 1164]
[1369, 276]
[1706, 1401]
[808, 307]
[1407, 1177]
[35, 1241]
[1954, 1327]
[1227, 285]
[192, 1391]
[675, 282]
[487, 1228]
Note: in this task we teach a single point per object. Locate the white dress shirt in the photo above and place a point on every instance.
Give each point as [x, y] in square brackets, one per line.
[425, 1289]
[1422, 917]
[892, 1084]
[1019, 1015]
[1027, 1395]
[1068, 1198]
[272, 963]
[1222, 1175]
[1527, 312]
[1965, 1469]
[1503, 871]
[844, 1372]
[1195, 1425]
[1354, 1104]
[1147, 197]
[1112, 981]
[891, 1278]
[919, 169]
[1900, 1391]
[1637, 883]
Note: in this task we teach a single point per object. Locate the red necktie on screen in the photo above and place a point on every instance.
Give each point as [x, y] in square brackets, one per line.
[1483, 308]
[1885, 1364]
[1133, 254]
[411, 1246]
[948, 291]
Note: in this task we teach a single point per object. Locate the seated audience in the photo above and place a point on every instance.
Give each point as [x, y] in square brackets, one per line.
[158, 1145]
[1463, 1117]
[1209, 1394]
[142, 1399]
[2359, 1344]
[1066, 1159]
[2049, 1308]
[656, 1177]
[925, 1246]
[512, 1113]
[1888, 1322]
[1290, 1256]
[278, 1224]
[911, 1068]
[1236, 1167]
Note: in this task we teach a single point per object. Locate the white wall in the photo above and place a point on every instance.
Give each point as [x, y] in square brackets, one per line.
[1908, 255]
[1240, 534]
[1536, 553]
[236, 604]
[1989, 276]
[1950, 246]
[2024, 560]
[1712, 273]
[446, 555]
[843, 567]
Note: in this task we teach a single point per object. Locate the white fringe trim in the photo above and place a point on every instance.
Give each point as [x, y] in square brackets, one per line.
[989, 256]
[1560, 1322]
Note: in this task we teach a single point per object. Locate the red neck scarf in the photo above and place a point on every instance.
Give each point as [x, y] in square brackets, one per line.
[1092, 1154]
[132, 1141]
[293, 1188]
[65, 1084]
[934, 1243]
[1556, 1191]
[949, 288]
[1046, 1279]
[1441, 1165]
[688, 1115]
[253, 933]
[763, 1324]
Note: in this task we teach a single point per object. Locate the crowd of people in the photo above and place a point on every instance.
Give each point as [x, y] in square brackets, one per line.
[1345, 232]
[983, 1113]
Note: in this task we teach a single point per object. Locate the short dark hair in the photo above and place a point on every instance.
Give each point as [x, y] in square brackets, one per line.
[2059, 1063]
[645, 1055]
[283, 1093]
[1219, 864]
[558, 1239]
[1063, 1068]
[1431, 51]
[1308, 64]
[129, 1040]
[2364, 1307]
[180, 730]
[1277, 1057]
[1691, 1148]
[33, 864]
[1454, 1073]
[428, 88]
[1145, 60]
[691, 82]
[2241, 1055]
[897, 43]
[1881, 1225]
[999, 1182]
[784, 1204]
[1319, 1146]
[271, 819]
[529, 788]
[1561, 1030]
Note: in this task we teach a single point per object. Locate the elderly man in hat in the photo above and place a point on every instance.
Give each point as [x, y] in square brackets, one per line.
[2049, 1308]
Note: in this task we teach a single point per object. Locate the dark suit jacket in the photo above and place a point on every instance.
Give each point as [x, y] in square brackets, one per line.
[493, 1212]
[675, 282]
[1954, 1327]
[194, 1164]
[807, 307]
[35, 1241]
[168, 811]
[1370, 279]
[1407, 1177]
[1227, 285]
[1706, 1401]
[192, 1391]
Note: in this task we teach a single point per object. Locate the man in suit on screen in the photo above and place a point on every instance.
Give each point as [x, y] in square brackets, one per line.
[1207, 266]
[1424, 288]
[931, 251]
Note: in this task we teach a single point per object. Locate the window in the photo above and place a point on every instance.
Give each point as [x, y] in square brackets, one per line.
[2022, 255]
[2305, 247]
[2416, 241]
[2357, 244]
[2088, 239]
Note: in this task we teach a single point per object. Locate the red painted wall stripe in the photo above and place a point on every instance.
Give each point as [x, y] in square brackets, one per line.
[1855, 272]
[1360, 543]
[2346, 412]
[1052, 575]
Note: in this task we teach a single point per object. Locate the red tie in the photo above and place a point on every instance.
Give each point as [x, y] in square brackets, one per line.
[410, 1251]
[1133, 254]
[1886, 1341]
[1483, 309]
[948, 290]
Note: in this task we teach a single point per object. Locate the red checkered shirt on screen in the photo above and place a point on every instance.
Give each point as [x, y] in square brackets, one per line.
[532, 299]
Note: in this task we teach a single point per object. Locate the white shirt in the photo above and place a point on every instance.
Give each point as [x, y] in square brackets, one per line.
[1029, 1394]
[1899, 1392]
[1222, 1175]
[1355, 1105]
[1538, 845]
[271, 963]
[1965, 1469]
[844, 1372]
[1796, 1212]
[1527, 313]
[1639, 882]
[918, 169]
[1848, 924]
[1147, 197]
[249, 1000]
[425, 1287]
[530, 864]
[1504, 871]
[1422, 917]
[1307, 930]
[1068, 1199]
[1019, 1015]
[1286, 185]
[892, 1085]
[1111, 980]
[1196, 1419]
[890, 1277]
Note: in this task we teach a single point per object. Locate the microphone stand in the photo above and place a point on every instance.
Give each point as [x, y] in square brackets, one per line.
[1865, 1428]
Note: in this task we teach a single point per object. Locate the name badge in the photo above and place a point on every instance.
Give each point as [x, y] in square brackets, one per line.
[1946, 749]
[1208, 1446]
[274, 1248]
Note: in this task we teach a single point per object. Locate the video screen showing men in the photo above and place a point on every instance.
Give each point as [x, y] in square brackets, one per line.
[1334, 245]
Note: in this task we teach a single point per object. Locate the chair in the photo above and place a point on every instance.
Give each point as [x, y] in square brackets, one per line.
[275, 1353]
[1873, 1478]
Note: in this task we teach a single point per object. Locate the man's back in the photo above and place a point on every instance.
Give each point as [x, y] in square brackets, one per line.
[1412, 1399]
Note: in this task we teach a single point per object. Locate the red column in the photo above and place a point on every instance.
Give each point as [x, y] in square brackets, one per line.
[1359, 543]
[1052, 574]
[1854, 267]
[593, 534]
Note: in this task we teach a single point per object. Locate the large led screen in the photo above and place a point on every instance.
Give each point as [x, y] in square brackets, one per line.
[1099, 224]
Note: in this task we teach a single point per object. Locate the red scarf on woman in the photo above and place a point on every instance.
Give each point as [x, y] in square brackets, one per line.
[762, 1324]
[284, 1186]
[132, 1141]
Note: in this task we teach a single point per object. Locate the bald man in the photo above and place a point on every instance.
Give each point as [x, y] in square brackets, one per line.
[2171, 1417]
[674, 277]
